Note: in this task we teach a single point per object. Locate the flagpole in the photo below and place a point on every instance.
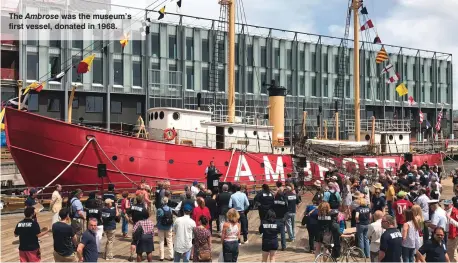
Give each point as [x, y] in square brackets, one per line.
[356, 77]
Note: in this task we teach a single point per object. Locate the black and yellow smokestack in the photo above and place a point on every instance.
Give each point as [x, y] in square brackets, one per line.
[277, 113]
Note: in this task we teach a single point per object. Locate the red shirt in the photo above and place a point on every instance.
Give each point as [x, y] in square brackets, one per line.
[399, 206]
[197, 212]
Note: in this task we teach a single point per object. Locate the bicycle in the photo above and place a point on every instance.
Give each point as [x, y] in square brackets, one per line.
[349, 252]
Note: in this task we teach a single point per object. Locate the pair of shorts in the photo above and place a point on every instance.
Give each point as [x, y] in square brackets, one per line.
[30, 256]
[145, 244]
[269, 245]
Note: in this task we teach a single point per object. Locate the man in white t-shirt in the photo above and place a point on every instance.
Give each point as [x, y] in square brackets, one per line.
[374, 233]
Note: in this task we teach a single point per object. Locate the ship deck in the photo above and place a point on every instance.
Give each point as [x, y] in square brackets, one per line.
[250, 252]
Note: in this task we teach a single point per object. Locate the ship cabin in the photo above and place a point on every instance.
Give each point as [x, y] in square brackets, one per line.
[200, 128]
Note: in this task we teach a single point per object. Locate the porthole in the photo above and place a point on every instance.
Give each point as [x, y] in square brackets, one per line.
[114, 157]
[176, 116]
[401, 137]
[199, 162]
[230, 130]
[255, 133]
[262, 165]
[150, 116]
[390, 137]
[226, 163]
[367, 137]
[161, 115]
[131, 159]
[284, 164]
[156, 115]
[171, 161]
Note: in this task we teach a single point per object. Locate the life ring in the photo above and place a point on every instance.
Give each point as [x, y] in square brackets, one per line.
[169, 134]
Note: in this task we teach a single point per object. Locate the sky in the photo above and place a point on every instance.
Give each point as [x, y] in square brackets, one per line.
[422, 24]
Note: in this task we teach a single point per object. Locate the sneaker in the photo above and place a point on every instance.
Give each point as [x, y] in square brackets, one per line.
[131, 259]
[246, 242]
[161, 259]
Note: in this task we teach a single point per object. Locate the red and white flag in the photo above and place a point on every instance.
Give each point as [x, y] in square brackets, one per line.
[387, 69]
[411, 101]
[438, 123]
[367, 25]
[421, 117]
[393, 79]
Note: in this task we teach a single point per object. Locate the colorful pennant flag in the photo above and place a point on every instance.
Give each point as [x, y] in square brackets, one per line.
[364, 11]
[367, 25]
[411, 101]
[421, 117]
[85, 65]
[402, 90]
[393, 78]
[125, 40]
[35, 86]
[387, 69]
[381, 56]
[161, 13]
[59, 76]
[2, 114]
[438, 123]
[377, 40]
[179, 3]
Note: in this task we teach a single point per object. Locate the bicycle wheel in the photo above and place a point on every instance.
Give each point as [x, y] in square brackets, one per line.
[324, 257]
[354, 254]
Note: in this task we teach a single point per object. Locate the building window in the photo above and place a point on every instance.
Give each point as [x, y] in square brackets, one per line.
[75, 76]
[205, 78]
[94, 104]
[55, 38]
[368, 90]
[221, 54]
[302, 86]
[263, 56]
[32, 34]
[431, 94]
[116, 107]
[277, 78]
[277, 57]
[137, 73]
[237, 54]
[423, 72]
[155, 66]
[325, 87]
[415, 92]
[137, 45]
[289, 84]
[237, 81]
[190, 78]
[302, 60]
[205, 51]
[189, 48]
[77, 39]
[387, 91]
[75, 103]
[313, 61]
[173, 46]
[368, 68]
[97, 71]
[155, 45]
[32, 66]
[439, 95]
[139, 108]
[414, 72]
[249, 55]
[289, 58]
[325, 62]
[117, 48]
[118, 73]
[250, 86]
[315, 89]
[32, 104]
[447, 98]
[221, 80]
[423, 95]
[263, 81]
[54, 65]
[347, 88]
[336, 64]
[406, 72]
[54, 105]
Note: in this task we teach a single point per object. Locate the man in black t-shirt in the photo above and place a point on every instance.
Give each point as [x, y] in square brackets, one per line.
[110, 193]
[64, 239]
[434, 248]
[109, 214]
[87, 249]
[390, 241]
[28, 231]
[403, 182]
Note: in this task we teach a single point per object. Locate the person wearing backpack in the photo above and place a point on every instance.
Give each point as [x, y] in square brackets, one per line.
[332, 197]
[77, 213]
[164, 220]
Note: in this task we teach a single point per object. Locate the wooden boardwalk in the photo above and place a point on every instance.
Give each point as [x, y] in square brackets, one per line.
[250, 252]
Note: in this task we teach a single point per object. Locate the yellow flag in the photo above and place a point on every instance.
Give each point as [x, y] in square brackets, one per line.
[402, 90]
[2, 114]
[85, 65]
[161, 13]
[31, 86]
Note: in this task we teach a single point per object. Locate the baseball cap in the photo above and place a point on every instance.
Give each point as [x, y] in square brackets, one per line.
[448, 202]
[187, 208]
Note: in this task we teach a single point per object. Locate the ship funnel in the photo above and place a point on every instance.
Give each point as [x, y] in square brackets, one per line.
[199, 97]
[277, 112]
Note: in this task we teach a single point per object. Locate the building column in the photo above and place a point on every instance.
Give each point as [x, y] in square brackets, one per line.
[108, 68]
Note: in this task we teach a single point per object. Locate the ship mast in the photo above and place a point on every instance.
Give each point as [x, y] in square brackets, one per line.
[356, 78]
[230, 59]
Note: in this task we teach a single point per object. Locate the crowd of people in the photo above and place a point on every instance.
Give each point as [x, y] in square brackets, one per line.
[398, 218]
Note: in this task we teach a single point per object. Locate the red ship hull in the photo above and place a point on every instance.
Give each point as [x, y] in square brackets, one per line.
[43, 147]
